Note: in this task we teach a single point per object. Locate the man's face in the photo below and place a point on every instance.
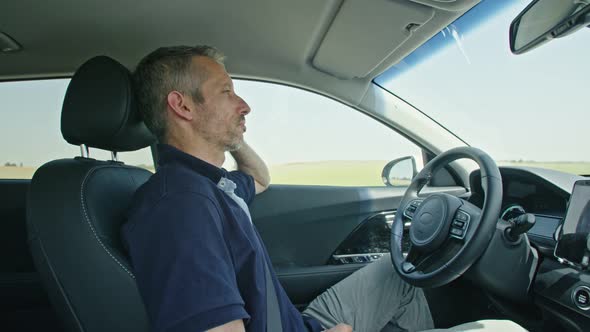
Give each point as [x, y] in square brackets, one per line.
[221, 116]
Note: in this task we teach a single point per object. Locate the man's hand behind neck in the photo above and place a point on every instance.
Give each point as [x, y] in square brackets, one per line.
[250, 163]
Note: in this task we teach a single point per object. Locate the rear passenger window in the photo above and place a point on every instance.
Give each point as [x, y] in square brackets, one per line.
[30, 133]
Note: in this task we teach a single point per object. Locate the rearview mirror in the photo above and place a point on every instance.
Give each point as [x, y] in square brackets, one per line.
[399, 172]
[544, 20]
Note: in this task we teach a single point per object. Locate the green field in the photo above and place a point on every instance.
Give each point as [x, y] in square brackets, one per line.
[330, 173]
[343, 173]
[336, 173]
[16, 172]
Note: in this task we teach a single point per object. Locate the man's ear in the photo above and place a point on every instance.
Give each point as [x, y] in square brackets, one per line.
[181, 105]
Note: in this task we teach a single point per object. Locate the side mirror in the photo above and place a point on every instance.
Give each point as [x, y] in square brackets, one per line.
[544, 20]
[399, 172]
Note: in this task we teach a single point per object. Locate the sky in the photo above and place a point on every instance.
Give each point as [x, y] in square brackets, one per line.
[286, 125]
[531, 107]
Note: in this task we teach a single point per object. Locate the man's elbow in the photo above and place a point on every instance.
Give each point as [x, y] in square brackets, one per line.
[261, 186]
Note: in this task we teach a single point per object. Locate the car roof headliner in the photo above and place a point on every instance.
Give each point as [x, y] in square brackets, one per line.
[335, 47]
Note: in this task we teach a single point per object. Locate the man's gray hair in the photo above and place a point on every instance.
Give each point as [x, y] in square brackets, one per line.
[162, 71]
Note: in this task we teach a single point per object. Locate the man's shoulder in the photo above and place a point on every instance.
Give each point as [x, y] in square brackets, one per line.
[171, 180]
[165, 186]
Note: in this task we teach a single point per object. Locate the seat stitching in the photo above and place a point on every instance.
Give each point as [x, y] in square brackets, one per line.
[92, 227]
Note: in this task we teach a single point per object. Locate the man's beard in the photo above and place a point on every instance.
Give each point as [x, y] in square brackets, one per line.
[227, 140]
[233, 146]
[237, 142]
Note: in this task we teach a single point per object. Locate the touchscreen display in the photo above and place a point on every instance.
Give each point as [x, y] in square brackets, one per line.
[576, 225]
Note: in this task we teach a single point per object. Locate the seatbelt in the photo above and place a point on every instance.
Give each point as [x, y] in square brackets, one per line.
[273, 313]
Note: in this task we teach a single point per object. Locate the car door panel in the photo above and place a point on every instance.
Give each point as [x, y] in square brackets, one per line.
[22, 296]
[303, 226]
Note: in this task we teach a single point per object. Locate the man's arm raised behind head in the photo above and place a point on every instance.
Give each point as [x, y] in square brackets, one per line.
[250, 163]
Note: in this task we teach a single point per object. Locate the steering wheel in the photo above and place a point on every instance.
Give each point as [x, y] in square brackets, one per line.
[447, 234]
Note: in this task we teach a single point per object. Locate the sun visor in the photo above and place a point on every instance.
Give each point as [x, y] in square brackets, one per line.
[364, 33]
[451, 5]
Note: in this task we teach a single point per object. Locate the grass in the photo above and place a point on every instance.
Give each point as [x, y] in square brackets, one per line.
[16, 172]
[329, 173]
[336, 173]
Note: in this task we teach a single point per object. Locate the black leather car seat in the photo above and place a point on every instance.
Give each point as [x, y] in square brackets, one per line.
[76, 206]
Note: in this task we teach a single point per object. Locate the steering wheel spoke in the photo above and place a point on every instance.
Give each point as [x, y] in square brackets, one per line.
[427, 262]
[412, 258]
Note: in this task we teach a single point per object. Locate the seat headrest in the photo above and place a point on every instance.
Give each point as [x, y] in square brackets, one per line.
[99, 108]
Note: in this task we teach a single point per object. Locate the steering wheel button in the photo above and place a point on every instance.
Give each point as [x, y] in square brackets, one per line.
[462, 216]
[457, 232]
[459, 224]
[410, 210]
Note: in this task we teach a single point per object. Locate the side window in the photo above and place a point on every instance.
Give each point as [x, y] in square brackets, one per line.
[30, 130]
[309, 139]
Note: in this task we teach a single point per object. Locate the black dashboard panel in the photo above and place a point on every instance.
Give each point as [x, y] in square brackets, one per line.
[562, 293]
[553, 288]
[534, 193]
[544, 229]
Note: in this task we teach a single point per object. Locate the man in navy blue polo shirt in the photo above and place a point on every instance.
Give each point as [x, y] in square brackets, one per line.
[198, 260]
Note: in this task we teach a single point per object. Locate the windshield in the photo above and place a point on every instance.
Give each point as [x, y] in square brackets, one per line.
[527, 110]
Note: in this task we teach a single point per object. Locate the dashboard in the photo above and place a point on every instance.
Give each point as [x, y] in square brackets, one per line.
[543, 193]
[560, 294]
[530, 190]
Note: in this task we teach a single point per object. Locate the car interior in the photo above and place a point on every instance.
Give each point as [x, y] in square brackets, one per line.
[62, 263]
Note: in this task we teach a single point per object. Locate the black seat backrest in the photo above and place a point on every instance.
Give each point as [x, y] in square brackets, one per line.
[76, 206]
